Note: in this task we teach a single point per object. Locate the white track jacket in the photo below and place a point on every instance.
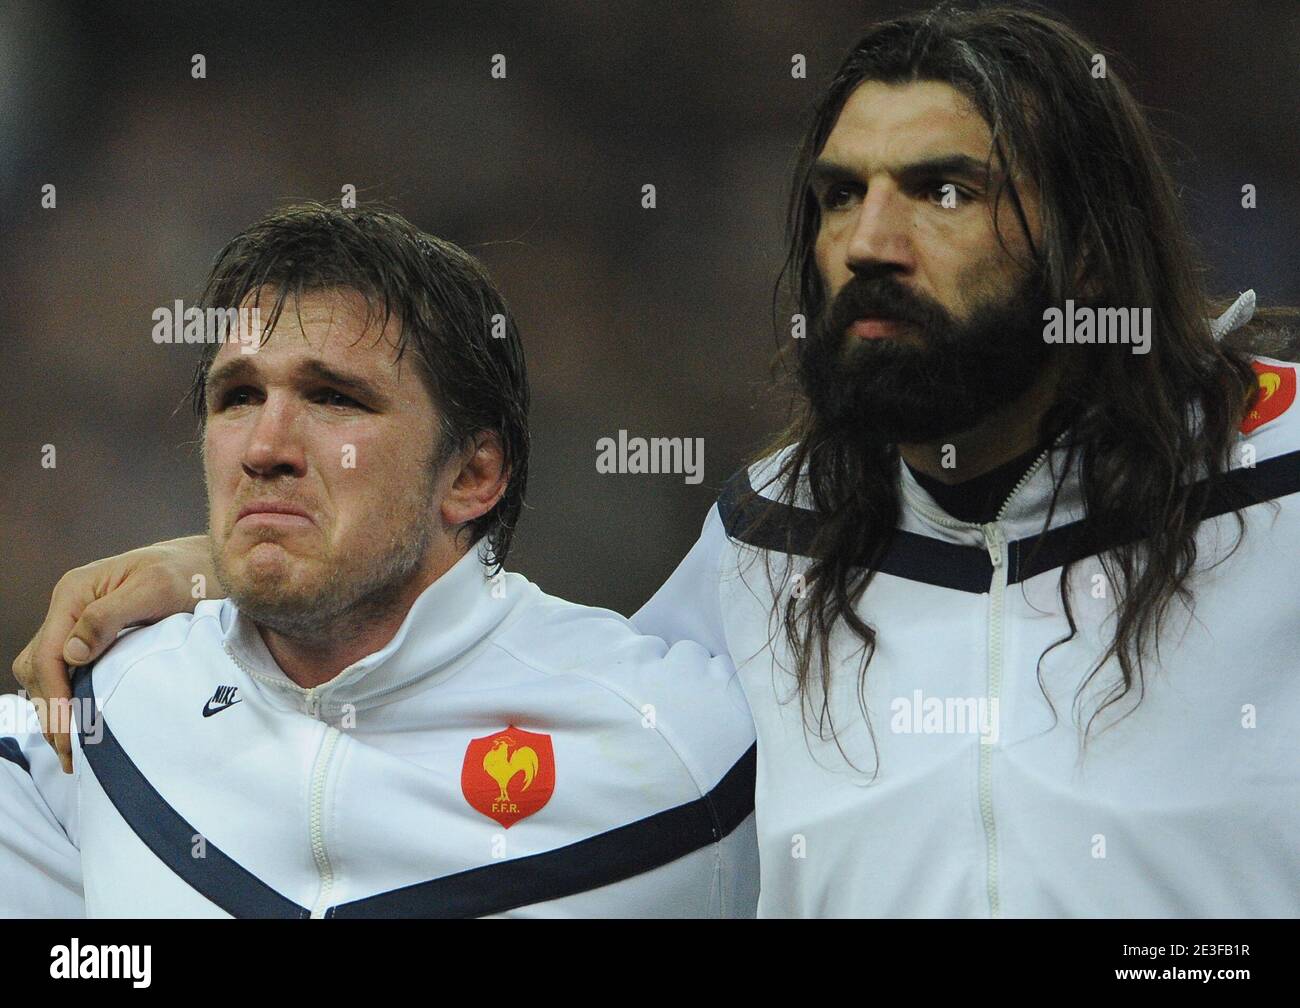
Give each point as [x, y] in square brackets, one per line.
[506, 753]
[973, 799]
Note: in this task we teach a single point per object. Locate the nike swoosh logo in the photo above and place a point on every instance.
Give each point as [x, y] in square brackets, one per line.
[209, 710]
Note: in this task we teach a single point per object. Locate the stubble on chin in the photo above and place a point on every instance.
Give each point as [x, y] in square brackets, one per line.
[326, 596]
[270, 586]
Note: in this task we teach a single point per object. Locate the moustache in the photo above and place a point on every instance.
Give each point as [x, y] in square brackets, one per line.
[879, 297]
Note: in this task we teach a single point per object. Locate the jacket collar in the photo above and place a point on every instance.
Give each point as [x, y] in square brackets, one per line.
[449, 619]
[1026, 507]
[1022, 513]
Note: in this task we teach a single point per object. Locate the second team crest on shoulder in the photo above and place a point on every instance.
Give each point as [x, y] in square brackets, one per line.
[1277, 387]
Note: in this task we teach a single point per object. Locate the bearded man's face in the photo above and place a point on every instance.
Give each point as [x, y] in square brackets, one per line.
[930, 323]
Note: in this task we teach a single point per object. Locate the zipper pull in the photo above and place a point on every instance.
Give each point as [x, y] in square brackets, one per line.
[993, 542]
[313, 703]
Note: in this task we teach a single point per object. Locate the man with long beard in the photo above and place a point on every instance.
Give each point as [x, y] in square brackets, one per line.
[959, 591]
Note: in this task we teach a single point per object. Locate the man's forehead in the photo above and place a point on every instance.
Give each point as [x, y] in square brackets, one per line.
[889, 126]
[331, 327]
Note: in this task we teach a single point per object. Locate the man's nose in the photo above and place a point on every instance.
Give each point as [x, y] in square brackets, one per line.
[275, 446]
[881, 232]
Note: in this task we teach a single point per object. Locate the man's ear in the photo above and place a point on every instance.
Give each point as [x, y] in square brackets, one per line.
[479, 483]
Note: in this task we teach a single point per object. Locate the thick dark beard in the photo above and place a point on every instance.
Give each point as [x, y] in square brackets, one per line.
[883, 392]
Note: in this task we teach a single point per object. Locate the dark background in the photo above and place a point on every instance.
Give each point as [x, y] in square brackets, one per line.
[655, 321]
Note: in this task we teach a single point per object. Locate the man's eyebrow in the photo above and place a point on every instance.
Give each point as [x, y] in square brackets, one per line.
[314, 370]
[961, 166]
[242, 370]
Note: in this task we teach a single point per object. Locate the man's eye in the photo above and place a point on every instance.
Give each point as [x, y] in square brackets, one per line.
[836, 197]
[241, 396]
[332, 397]
[949, 194]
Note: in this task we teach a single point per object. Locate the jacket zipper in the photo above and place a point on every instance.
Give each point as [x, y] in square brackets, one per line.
[319, 775]
[995, 542]
[996, 545]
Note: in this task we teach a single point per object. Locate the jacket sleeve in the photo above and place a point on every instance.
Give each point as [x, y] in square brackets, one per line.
[687, 607]
[40, 865]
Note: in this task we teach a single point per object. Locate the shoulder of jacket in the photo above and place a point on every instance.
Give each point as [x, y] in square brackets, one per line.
[755, 508]
[764, 476]
[558, 637]
[690, 699]
[135, 646]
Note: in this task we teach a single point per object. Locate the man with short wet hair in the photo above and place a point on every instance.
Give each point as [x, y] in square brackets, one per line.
[379, 721]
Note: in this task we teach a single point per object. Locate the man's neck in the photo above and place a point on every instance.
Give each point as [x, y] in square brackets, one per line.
[316, 659]
[1009, 431]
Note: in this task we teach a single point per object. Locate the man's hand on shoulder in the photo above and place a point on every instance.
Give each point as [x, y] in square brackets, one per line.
[91, 605]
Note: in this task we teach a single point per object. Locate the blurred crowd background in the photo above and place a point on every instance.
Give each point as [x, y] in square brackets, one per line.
[657, 322]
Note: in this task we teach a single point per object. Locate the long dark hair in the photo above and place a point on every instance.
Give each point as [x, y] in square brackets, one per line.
[1115, 213]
